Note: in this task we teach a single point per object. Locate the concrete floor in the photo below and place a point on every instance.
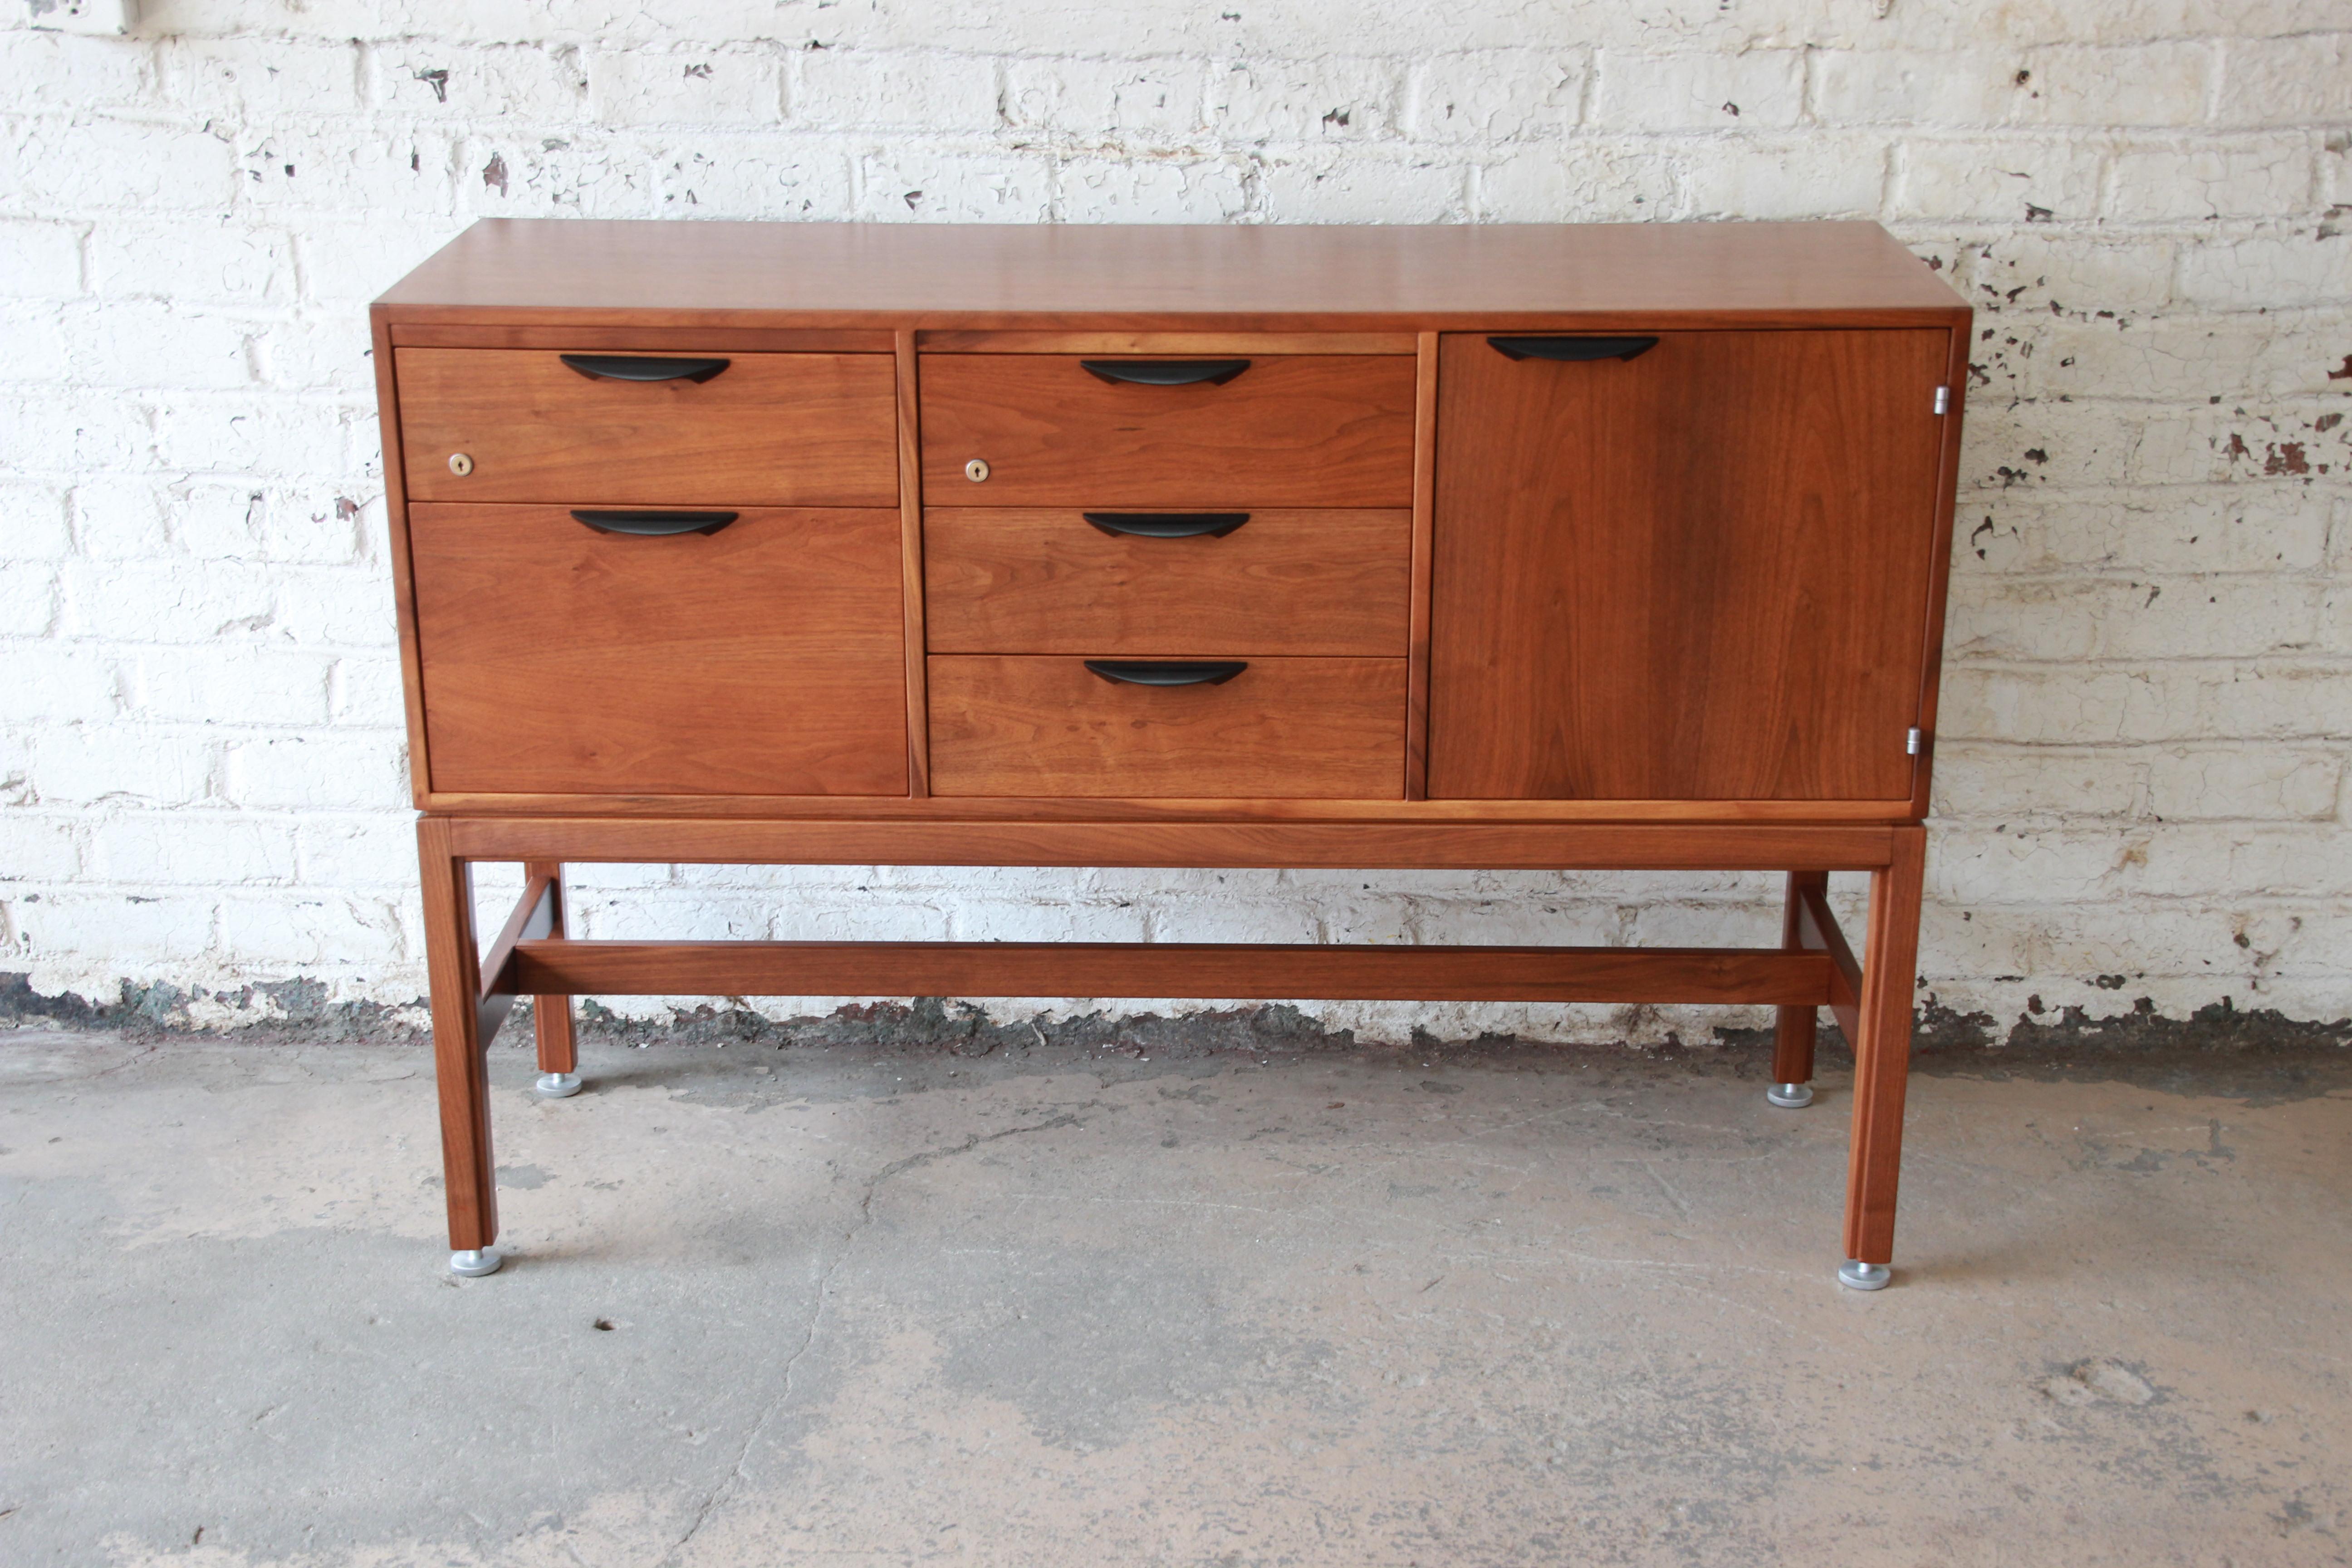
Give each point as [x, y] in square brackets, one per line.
[865, 1307]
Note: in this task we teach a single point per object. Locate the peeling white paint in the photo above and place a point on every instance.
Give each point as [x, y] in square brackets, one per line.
[2149, 682]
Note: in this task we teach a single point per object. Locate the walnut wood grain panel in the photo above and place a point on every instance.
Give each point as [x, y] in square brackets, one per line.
[1170, 278]
[638, 336]
[1173, 344]
[1012, 580]
[769, 430]
[765, 657]
[1353, 845]
[1691, 976]
[1425, 490]
[1699, 574]
[1332, 430]
[1121, 808]
[1294, 727]
[910, 564]
[404, 588]
[1955, 376]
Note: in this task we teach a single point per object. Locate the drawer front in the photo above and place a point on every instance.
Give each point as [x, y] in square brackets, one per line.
[771, 429]
[1013, 580]
[1290, 430]
[1307, 728]
[765, 658]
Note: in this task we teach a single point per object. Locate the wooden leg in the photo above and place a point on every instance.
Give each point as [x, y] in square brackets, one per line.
[455, 966]
[1882, 1058]
[559, 1052]
[1792, 1034]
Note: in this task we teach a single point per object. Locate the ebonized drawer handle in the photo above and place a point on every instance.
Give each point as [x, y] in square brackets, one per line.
[1573, 348]
[637, 367]
[1167, 524]
[1164, 672]
[1164, 372]
[655, 524]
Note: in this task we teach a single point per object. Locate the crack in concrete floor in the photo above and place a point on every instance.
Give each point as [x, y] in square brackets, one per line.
[823, 1286]
[1362, 1308]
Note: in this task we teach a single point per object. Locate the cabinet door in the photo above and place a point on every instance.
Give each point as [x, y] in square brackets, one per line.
[1700, 573]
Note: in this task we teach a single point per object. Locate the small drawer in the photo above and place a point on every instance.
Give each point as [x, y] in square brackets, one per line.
[1331, 430]
[1304, 728]
[763, 429]
[668, 653]
[1012, 580]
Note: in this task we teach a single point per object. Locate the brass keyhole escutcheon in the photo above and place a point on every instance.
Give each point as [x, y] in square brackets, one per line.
[976, 470]
[461, 464]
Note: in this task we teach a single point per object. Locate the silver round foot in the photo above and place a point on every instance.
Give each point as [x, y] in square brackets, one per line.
[1790, 1096]
[1858, 1276]
[558, 1084]
[473, 1265]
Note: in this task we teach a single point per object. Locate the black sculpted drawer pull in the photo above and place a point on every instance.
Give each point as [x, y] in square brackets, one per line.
[655, 524]
[1167, 524]
[1164, 372]
[1166, 672]
[637, 367]
[1573, 348]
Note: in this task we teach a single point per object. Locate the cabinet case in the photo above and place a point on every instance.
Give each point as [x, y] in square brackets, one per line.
[1594, 547]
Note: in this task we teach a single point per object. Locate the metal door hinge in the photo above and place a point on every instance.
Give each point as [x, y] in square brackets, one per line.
[1943, 400]
[1913, 742]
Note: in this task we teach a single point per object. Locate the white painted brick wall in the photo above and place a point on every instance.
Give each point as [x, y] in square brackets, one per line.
[2140, 789]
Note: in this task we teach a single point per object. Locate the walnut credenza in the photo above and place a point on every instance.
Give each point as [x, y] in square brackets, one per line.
[1548, 547]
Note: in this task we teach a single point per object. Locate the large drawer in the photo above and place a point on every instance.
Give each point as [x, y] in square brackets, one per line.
[770, 429]
[765, 658]
[1312, 728]
[1289, 430]
[1015, 580]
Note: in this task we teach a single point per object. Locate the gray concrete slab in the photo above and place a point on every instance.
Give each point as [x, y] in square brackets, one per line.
[1084, 1307]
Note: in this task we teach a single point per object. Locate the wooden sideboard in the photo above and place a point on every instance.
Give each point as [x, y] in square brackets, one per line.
[1550, 547]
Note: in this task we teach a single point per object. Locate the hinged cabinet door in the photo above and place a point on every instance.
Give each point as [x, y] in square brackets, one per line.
[1700, 572]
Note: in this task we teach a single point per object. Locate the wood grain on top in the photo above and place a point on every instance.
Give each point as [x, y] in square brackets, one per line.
[1207, 277]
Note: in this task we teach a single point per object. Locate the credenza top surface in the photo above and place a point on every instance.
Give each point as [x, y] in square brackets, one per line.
[1212, 276]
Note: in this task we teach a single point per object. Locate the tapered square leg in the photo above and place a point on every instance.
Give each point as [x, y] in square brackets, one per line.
[1793, 1029]
[1882, 1057]
[558, 1051]
[467, 1171]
